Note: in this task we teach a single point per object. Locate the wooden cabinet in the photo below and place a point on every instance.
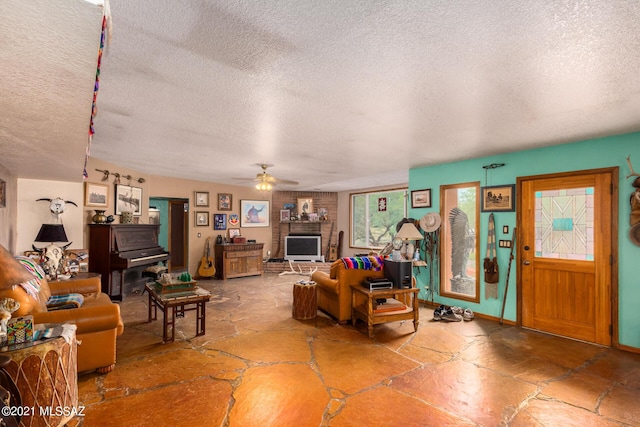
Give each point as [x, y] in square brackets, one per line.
[238, 260]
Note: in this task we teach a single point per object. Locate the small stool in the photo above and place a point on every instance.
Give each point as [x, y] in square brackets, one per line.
[305, 301]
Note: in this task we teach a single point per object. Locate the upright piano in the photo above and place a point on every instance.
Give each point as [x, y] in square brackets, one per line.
[119, 247]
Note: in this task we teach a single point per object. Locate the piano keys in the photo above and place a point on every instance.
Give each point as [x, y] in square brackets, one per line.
[119, 247]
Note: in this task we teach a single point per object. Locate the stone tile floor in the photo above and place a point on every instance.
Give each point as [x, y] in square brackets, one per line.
[256, 366]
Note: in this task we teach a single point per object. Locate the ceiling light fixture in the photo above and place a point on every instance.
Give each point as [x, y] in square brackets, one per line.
[263, 186]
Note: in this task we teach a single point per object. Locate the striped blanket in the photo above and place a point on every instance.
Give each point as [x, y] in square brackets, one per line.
[61, 302]
[374, 263]
[32, 287]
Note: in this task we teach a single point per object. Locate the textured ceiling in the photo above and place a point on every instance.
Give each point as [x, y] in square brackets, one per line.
[338, 95]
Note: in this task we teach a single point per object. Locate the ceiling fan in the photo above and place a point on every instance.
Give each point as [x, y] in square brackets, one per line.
[266, 181]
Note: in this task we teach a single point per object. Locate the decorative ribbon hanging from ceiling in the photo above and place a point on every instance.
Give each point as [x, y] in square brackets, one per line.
[106, 31]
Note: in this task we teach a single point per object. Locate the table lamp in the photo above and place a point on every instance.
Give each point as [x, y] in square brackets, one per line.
[52, 254]
[409, 233]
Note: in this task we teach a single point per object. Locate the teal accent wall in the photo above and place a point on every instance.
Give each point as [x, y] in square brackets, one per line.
[163, 206]
[590, 154]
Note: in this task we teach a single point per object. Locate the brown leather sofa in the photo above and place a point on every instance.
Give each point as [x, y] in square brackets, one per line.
[98, 320]
[334, 289]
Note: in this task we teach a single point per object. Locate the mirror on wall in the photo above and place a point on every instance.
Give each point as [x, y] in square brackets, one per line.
[460, 261]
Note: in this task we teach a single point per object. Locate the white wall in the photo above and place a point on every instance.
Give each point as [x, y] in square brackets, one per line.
[33, 214]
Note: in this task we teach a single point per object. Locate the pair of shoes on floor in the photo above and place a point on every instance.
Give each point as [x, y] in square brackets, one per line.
[452, 314]
[446, 313]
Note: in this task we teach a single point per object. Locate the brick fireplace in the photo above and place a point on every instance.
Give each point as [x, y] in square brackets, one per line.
[326, 200]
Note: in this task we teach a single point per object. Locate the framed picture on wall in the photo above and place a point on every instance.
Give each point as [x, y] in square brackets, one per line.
[254, 213]
[202, 219]
[224, 201]
[498, 198]
[128, 199]
[96, 195]
[234, 232]
[285, 215]
[421, 198]
[219, 221]
[202, 198]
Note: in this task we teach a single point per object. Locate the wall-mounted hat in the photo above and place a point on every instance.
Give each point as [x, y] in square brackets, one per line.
[634, 234]
[430, 222]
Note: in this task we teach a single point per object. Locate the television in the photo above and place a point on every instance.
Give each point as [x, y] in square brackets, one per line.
[303, 248]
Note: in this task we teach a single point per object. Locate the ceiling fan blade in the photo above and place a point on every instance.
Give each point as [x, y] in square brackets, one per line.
[284, 181]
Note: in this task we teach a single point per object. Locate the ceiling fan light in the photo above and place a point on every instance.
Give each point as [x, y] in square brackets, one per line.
[263, 186]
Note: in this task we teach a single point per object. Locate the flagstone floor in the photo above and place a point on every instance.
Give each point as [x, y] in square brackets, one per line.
[256, 366]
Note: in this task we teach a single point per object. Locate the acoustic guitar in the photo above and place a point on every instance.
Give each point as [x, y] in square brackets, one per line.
[207, 269]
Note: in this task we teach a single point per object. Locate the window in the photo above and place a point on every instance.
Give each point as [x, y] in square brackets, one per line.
[374, 217]
[459, 276]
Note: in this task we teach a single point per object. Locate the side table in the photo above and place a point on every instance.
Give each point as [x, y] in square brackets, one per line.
[365, 311]
[173, 305]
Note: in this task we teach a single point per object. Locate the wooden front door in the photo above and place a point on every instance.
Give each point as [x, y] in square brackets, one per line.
[566, 252]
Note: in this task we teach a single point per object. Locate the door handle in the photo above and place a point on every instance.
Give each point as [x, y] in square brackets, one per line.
[526, 262]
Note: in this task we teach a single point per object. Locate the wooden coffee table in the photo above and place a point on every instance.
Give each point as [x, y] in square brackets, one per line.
[365, 310]
[176, 303]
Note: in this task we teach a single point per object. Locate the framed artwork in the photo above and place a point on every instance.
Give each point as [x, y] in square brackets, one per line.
[498, 198]
[202, 198]
[285, 215]
[219, 221]
[421, 198]
[3, 193]
[305, 206]
[128, 199]
[224, 201]
[202, 219]
[254, 213]
[233, 232]
[96, 195]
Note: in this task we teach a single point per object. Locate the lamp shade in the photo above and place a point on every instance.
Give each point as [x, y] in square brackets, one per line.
[408, 231]
[12, 273]
[52, 233]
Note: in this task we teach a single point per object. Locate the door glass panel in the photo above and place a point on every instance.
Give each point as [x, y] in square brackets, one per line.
[564, 224]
